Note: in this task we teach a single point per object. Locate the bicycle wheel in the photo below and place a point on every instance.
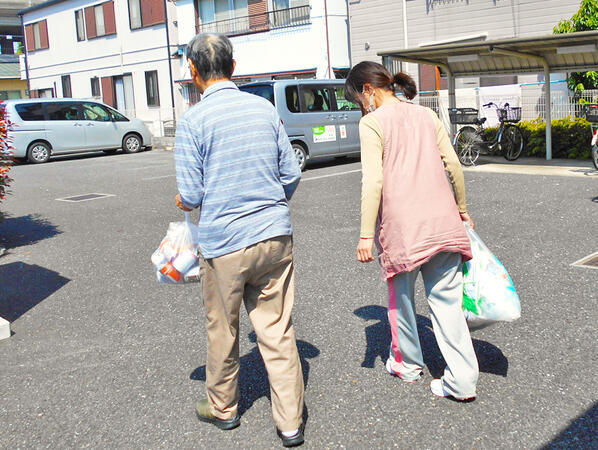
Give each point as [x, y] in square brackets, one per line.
[511, 142]
[595, 156]
[467, 145]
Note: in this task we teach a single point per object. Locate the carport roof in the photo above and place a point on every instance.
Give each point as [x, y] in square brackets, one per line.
[562, 52]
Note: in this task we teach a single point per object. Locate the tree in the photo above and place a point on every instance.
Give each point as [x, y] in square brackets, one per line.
[585, 19]
[5, 153]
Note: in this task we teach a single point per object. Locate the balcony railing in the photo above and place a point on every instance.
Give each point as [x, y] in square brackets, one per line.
[257, 23]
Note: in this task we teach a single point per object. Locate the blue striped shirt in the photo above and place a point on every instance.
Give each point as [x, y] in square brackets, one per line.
[234, 161]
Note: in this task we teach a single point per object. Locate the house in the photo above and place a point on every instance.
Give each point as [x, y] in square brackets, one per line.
[272, 39]
[11, 85]
[115, 51]
[378, 25]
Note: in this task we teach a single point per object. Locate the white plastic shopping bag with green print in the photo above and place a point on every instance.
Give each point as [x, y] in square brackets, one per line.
[489, 295]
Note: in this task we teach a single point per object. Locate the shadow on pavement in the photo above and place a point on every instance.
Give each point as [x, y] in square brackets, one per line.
[490, 358]
[25, 230]
[253, 380]
[24, 286]
[581, 432]
[332, 161]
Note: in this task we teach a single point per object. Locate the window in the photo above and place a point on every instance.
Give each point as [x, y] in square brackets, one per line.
[316, 99]
[100, 20]
[118, 117]
[145, 13]
[66, 86]
[95, 112]
[36, 36]
[292, 96]
[266, 92]
[80, 22]
[135, 14]
[9, 95]
[285, 14]
[95, 87]
[151, 88]
[99, 15]
[342, 103]
[62, 111]
[30, 111]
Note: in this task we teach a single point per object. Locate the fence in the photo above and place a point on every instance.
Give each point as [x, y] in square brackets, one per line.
[255, 23]
[161, 121]
[530, 98]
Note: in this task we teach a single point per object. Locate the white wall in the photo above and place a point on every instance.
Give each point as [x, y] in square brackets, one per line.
[128, 51]
[380, 22]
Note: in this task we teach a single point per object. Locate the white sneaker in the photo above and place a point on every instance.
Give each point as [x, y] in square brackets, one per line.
[395, 374]
[438, 389]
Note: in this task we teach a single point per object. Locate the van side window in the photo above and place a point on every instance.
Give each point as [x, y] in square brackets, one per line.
[342, 103]
[292, 95]
[30, 111]
[316, 99]
[118, 117]
[266, 91]
[93, 111]
[62, 111]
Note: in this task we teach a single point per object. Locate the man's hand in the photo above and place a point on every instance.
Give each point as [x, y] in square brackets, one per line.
[180, 204]
[364, 250]
[465, 217]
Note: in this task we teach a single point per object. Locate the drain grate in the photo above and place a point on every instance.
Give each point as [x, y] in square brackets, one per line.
[590, 261]
[84, 197]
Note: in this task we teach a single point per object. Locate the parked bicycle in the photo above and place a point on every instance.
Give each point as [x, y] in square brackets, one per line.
[591, 114]
[470, 141]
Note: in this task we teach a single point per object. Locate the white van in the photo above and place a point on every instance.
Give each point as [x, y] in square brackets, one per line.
[40, 128]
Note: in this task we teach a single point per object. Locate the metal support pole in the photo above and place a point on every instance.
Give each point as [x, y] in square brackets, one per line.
[330, 74]
[451, 98]
[548, 113]
[547, 96]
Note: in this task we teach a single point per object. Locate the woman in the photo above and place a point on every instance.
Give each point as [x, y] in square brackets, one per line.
[410, 209]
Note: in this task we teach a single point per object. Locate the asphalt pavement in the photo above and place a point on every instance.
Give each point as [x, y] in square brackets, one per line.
[104, 357]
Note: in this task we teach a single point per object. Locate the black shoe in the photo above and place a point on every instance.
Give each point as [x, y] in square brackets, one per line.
[291, 441]
[203, 413]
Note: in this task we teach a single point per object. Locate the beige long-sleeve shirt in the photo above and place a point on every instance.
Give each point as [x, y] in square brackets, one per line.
[372, 153]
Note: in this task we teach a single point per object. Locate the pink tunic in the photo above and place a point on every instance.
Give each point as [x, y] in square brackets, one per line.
[418, 216]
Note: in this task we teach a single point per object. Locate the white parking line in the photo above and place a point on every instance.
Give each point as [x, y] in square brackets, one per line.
[157, 178]
[336, 174]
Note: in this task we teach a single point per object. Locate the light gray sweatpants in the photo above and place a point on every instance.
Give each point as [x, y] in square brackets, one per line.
[443, 281]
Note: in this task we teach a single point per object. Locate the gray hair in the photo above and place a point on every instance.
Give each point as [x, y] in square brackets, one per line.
[212, 55]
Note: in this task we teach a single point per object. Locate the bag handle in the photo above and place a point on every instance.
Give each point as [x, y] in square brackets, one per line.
[187, 217]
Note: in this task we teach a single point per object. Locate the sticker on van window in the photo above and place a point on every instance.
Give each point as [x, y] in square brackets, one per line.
[324, 134]
[343, 131]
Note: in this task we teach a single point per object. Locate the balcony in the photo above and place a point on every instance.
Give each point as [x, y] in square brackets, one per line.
[258, 23]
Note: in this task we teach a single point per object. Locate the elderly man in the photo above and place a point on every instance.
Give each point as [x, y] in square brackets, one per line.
[234, 161]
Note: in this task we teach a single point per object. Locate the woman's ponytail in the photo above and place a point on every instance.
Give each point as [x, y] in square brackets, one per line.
[405, 84]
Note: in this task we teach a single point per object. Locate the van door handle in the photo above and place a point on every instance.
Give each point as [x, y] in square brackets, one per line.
[77, 125]
[330, 117]
[90, 124]
[345, 117]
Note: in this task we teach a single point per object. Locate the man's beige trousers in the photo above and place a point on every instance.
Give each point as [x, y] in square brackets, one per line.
[263, 277]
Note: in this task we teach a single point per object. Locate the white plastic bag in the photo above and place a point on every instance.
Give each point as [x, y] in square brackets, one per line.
[489, 295]
[177, 260]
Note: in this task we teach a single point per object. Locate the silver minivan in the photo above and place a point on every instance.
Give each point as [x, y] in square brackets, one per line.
[41, 128]
[319, 120]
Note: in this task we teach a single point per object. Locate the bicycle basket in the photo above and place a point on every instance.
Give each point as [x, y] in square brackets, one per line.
[591, 113]
[460, 116]
[509, 114]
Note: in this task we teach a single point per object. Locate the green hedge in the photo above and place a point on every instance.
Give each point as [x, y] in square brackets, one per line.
[571, 137]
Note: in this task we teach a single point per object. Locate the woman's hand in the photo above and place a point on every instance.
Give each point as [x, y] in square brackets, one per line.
[465, 217]
[364, 250]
